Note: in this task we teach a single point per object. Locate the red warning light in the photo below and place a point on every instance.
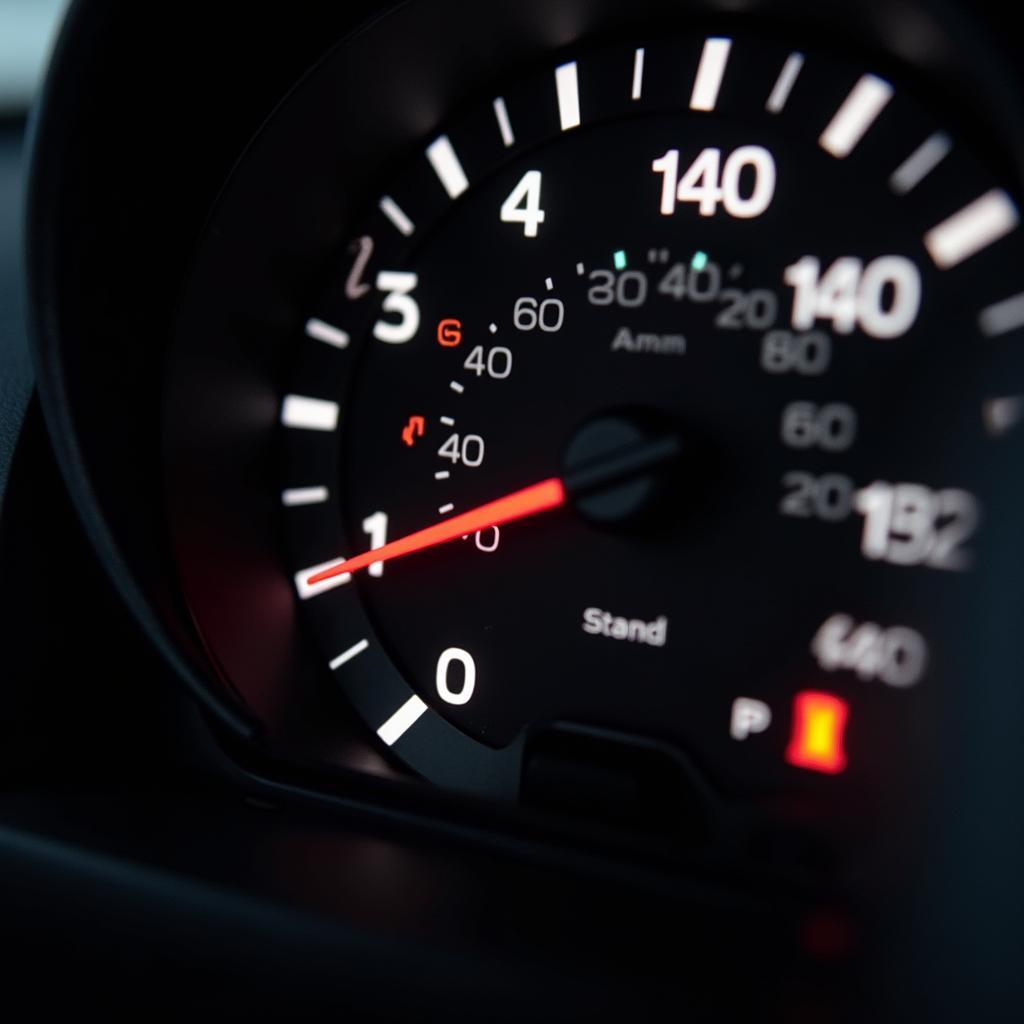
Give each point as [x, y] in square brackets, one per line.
[819, 721]
[449, 333]
[413, 429]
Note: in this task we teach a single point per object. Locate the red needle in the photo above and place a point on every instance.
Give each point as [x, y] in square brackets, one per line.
[540, 497]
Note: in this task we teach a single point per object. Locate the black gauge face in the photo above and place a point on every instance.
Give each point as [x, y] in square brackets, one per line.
[664, 382]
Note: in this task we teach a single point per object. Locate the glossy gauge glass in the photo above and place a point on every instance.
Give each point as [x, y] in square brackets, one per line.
[746, 306]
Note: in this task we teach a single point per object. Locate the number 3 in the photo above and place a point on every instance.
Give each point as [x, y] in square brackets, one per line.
[398, 285]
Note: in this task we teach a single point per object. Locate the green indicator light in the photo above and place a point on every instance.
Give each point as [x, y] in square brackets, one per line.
[620, 259]
[699, 261]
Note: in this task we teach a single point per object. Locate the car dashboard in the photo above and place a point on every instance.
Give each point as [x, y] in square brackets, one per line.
[512, 510]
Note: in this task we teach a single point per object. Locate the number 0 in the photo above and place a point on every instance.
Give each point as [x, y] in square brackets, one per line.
[444, 690]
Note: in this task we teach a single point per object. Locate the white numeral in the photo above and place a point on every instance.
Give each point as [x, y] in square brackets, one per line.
[897, 655]
[444, 689]
[523, 204]
[828, 497]
[709, 184]
[468, 449]
[808, 355]
[529, 314]
[376, 526]
[495, 362]
[628, 289]
[831, 427]
[883, 298]
[493, 539]
[908, 524]
[398, 286]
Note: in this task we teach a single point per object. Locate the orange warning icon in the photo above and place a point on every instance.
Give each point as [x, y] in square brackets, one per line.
[413, 429]
[819, 722]
[449, 333]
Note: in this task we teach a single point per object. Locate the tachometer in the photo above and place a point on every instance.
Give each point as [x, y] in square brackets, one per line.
[655, 398]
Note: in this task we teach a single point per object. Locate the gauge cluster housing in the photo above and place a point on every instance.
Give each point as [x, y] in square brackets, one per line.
[136, 190]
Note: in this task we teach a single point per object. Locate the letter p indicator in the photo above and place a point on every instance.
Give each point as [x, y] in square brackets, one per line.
[749, 716]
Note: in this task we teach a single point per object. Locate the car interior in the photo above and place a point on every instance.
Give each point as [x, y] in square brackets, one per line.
[511, 510]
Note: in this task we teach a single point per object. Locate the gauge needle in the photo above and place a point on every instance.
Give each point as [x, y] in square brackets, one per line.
[540, 497]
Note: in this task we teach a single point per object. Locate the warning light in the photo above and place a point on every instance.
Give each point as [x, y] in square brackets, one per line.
[449, 333]
[819, 721]
[413, 429]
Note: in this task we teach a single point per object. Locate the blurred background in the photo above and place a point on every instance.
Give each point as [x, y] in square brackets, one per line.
[27, 31]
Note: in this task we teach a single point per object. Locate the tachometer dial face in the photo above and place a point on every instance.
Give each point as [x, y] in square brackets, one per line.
[664, 385]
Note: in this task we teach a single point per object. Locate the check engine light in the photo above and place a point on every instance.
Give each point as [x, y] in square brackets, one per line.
[819, 722]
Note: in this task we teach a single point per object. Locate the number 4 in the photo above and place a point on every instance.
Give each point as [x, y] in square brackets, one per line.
[523, 204]
[700, 183]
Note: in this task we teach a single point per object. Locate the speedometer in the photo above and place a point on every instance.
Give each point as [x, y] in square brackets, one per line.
[569, 456]
[655, 400]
